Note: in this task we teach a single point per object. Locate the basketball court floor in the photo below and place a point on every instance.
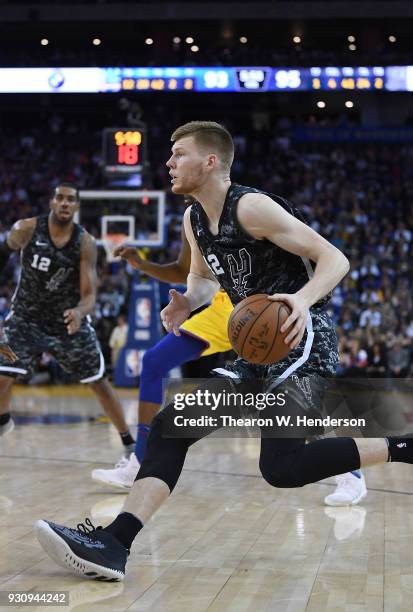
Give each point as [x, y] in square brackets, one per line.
[224, 541]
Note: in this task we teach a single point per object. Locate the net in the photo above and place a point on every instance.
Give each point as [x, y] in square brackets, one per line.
[140, 214]
[110, 242]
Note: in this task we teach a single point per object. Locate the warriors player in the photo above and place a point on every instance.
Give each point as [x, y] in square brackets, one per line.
[52, 303]
[203, 334]
[279, 255]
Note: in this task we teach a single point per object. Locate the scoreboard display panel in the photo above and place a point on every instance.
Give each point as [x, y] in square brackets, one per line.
[124, 150]
[241, 79]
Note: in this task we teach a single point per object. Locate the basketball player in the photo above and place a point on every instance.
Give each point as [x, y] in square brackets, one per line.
[203, 334]
[253, 243]
[51, 306]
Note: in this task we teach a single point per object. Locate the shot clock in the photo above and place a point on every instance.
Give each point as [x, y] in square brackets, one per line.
[124, 149]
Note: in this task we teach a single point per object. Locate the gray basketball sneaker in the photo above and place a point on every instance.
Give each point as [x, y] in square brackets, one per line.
[90, 553]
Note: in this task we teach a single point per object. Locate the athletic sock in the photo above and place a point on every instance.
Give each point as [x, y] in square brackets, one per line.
[356, 473]
[125, 528]
[141, 441]
[5, 418]
[127, 439]
[400, 449]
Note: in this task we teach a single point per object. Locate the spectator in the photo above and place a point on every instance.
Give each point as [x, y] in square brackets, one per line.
[377, 363]
[399, 360]
[118, 338]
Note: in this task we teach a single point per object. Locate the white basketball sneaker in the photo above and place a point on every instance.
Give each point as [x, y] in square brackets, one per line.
[122, 476]
[350, 490]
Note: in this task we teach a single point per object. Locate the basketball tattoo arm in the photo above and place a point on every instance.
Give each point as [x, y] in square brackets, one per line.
[88, 257]
[18, 237]
[174, 272]
[263, 218]
[201, 287]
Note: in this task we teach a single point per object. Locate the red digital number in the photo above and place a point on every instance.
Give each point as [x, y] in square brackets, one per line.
[128, 154]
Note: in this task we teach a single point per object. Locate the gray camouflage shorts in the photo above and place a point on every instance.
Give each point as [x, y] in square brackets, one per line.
[79, 355]
[305, 369]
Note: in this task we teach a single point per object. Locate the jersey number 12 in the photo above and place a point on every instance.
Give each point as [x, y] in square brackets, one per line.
[41, 263]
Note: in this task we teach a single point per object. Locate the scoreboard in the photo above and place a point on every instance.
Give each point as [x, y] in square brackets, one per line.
[124, 150]
[206, 78]
[253, 79]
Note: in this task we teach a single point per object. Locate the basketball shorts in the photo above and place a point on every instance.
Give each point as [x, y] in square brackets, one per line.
[303, 371]
[79, 355]
[210, 325]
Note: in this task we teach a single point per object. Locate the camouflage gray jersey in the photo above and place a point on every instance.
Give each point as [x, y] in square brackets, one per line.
[245, 266]
[49, 279]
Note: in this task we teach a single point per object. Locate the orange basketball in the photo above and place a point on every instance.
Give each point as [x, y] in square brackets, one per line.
[254, 329]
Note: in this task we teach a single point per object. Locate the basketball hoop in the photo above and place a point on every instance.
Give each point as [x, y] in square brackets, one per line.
[110, 242]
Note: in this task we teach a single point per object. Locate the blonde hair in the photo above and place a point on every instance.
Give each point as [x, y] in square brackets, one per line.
[210, 136]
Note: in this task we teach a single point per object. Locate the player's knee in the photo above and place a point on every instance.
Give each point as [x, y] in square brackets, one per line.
[151, 364]
[157, 430]
[99, 386]
[280, 473]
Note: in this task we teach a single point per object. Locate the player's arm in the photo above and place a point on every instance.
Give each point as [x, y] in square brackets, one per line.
[174, 272]
[265, 219]
[201, 286]
[7, 352]
[88, 282]
[18, 238]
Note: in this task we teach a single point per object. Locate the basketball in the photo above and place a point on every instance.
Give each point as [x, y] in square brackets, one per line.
[254, 329]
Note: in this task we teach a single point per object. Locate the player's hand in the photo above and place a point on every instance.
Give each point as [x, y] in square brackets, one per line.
[130, 254]
[7, 352]
[297, 318]
[177, 311]
[73, 320]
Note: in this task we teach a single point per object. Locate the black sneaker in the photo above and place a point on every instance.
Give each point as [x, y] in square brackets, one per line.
[91, 553]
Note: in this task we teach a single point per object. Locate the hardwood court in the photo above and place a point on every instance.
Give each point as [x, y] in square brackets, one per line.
[224, 541]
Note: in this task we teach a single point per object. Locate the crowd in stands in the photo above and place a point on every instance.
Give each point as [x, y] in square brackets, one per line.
[357, 195]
